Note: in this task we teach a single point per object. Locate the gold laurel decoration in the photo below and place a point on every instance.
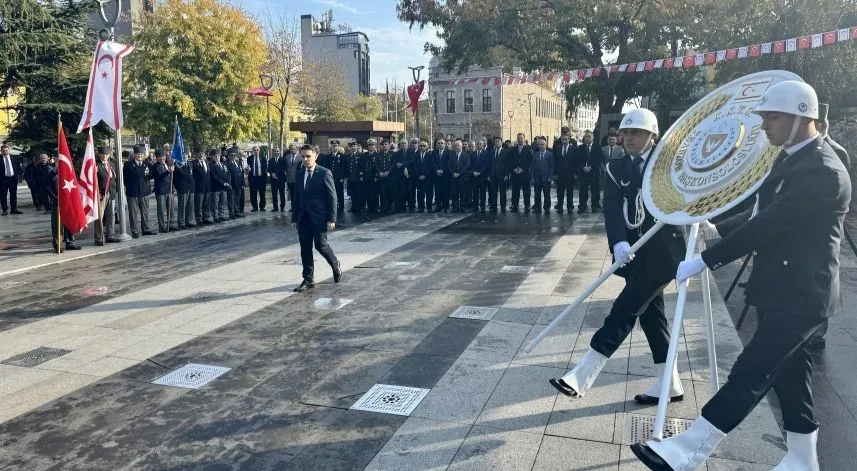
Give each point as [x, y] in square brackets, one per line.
[664, 194]
[719, 198]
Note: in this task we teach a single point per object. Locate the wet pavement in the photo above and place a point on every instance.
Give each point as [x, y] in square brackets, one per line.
[125, 316]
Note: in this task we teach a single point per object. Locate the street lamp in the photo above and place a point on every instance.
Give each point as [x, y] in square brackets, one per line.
[511, 113]
[530, 100]
[431, 120]
[267, 83]
[415, 71]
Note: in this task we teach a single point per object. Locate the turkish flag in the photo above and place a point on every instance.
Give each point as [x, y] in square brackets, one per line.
[829, 37]
[632, 68]
[414, 92]
[779, 47]
[668, 63]
[650, 65]
[755, 51]
[596, 72]
[581, 74]
[804, 42]
[566, 77]
[68, 191]
[854, 32]
[688, 61]
[731, 54]
[709, 58]
[104, 93]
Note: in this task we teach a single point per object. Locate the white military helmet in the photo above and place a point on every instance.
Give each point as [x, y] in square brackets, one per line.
[640, 118]
[791, 97]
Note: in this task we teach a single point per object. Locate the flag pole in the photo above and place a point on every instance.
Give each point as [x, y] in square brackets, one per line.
[57, 203]
[170, 194]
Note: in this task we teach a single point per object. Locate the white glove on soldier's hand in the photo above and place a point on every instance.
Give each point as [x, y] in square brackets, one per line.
[709, 231]
[622, 253]
[690, 268]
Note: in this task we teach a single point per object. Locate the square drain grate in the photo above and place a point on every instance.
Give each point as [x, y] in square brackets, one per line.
[388, 399]
[191, 376]
[474, 312]
[330, 303]
[639, 428]
[35, 357]
[395, 265]
[516, 269]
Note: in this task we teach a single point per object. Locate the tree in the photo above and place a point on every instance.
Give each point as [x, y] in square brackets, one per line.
[367, 108]
[45, 55]
[196, 59]
[327, 94]
[284, 64]
[559, 35]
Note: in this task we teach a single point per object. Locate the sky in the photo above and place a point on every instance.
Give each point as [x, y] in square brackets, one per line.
[392, 46]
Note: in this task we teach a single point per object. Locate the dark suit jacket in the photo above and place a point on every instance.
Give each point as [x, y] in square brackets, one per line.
[542, 169]
[498, 169]
[101, 171]
[136, 179]
[564, 164]
[796, 235]
[594, 158]
[162, 178]
[318, 200]
[459, 166]
[236, 174]
[16, 166]
[840, 152]
[219, 176]
[183, 179]
[201, 176]
[658, 259]
[439, 160]
[423, 166]
[262, 167]
[522, 158]
[480, 161]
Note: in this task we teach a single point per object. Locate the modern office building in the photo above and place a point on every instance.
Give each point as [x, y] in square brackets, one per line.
[341, 46]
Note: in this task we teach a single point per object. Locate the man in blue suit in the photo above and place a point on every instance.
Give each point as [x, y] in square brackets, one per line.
[542, 172]
[314, 215]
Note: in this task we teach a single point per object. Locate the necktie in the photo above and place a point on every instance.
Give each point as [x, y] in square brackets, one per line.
[258, 167]
[497, 153]
[542, 155]
[610, 153]
[306, 182]
[638, 165]
[10, 172]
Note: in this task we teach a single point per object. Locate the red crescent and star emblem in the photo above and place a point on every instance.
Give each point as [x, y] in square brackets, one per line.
[103, 58]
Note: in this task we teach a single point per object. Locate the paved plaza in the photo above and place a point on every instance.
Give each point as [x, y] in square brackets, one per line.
[84, 337]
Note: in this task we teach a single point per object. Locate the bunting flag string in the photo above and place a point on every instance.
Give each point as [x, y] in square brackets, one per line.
[811, 41]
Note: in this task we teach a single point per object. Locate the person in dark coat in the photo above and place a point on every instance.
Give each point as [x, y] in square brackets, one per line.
[45, 177]
[277, 178]
[258, 179]
[163, 177]
[458, 167]
[10, 173]
[480, 163]
[383, 179]
[31, 184]
[412, 164]
[136, 176]
[646, 273]
[220, 187]
[355, 177]
[542, 172]
[107, 191]
[424, 177]
[314, 216]
[520, 159]
[184, 183]
[236, 180]
[498, 176]
[398, 181]
[588, 161]
[564, 171]
[202, 187]
[337, 163]
[442, 179]
[795, 236]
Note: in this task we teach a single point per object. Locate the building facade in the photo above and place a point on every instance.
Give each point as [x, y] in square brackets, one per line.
[348, 49]
[487, 102]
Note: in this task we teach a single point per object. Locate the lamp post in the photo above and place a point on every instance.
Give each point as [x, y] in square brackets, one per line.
[511, 113]
[530, 102]
[431, 121]
[415, 71]
[268, 82]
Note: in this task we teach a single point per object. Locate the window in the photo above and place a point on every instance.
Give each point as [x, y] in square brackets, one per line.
[468, 101]
[435, 102]
[486, 100]
[450, 101]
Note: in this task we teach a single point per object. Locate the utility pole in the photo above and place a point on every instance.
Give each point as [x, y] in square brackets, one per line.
[511, 114]
[530, 101]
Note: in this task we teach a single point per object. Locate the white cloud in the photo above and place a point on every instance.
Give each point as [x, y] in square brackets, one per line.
[395, 48]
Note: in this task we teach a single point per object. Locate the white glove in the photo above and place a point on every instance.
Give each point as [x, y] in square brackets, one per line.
[622, 252]
[690, 268]
[709, 231]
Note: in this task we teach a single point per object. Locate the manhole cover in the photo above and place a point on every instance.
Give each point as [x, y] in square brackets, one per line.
[395, 265]
[203, 295]
[640, 428]
[96, 291]
[515, 269]
[35, 357]
[191, 376]
[11, 284]
[361, 239]
[388, 399]
[473, 312]
[330, 303]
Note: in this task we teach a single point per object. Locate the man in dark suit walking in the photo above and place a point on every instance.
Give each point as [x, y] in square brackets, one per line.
[258, 177]
[314, 215]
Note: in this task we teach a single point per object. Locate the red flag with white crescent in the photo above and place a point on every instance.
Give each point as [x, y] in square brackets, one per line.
[104, 93]
[414, 93]
[88, 182]
[68, 194]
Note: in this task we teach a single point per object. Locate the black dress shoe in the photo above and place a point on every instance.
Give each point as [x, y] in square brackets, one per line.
[99, 243]
[135, 236]
[581, 210]
[263, 210]
[337, 275]
[71, 246]
[562, 387]
[645, 399]
[304, 286]
[149, 233]
[253, 210]
[559, 211]
[649, 458]
[275, 208]
[15, 211]
[190, 226]
[111, 240]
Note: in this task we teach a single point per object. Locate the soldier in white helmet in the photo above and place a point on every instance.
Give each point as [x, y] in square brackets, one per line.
[795, 237]
[646, 273]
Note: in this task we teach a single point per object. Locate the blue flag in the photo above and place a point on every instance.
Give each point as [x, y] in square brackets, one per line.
[178, 146]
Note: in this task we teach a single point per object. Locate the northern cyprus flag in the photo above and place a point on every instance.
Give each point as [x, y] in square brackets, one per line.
[104, 94]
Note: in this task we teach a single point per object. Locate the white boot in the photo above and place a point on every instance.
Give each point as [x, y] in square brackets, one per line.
[802, 454]
[580, 379]
[676, 391]
[684, 452]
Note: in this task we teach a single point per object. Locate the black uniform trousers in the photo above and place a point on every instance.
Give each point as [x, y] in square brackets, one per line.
[565, 190]
[520, 182]
[460, 193]
[355, 191]
[384, 187]
[278, 193]
[258, 185]
[590, 183]
[640, 298]
[543, 190]
[497, 186]
[411, 190]
[479, 186]
[310, 234]
[441, 191]
[777, 356]
[9, 185]
[425, 192]
[398, 188]
[340, 195]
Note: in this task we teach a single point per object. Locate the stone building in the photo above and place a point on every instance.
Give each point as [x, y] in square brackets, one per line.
[349, 49]
[487, 102]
